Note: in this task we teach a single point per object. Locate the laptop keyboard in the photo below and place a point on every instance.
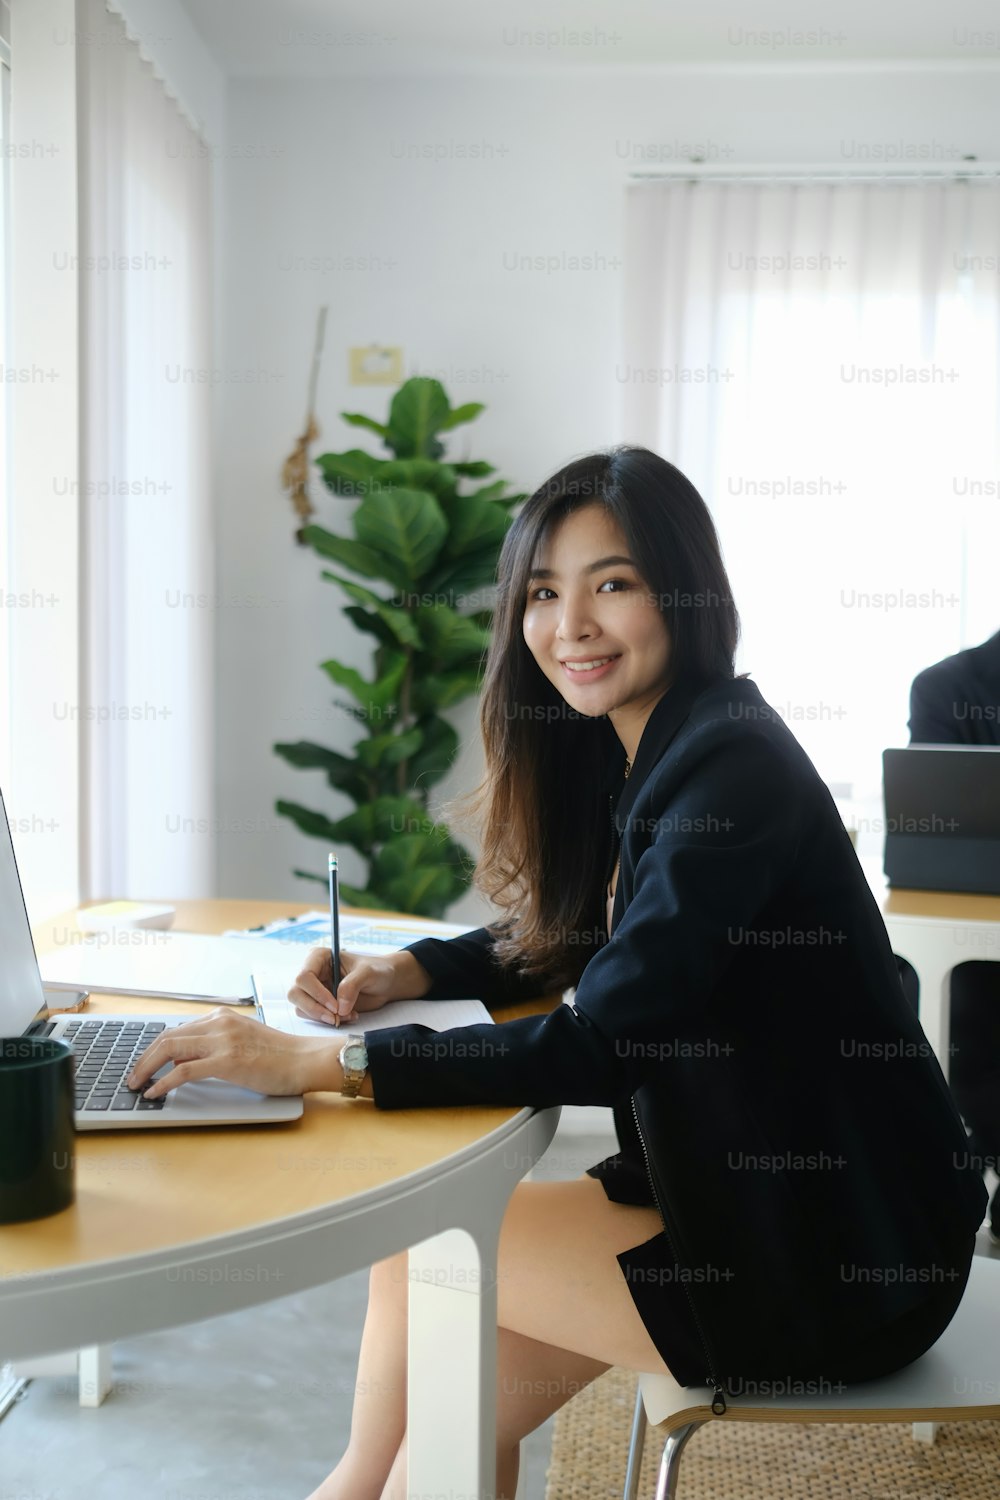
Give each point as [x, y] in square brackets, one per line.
[103, 1054]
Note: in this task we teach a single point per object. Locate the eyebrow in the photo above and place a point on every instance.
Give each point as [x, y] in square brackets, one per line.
[594, 567]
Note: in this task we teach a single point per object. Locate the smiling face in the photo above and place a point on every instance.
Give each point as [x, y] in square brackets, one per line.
[586, 602]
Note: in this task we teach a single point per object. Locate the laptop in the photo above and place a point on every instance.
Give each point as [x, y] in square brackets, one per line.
[105, 1045]
[942, 818]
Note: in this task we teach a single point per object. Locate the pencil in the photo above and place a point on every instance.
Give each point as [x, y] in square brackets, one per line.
[334, 924]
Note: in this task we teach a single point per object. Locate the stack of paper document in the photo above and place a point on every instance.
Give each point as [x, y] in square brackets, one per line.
[178, 965]
[360, 934]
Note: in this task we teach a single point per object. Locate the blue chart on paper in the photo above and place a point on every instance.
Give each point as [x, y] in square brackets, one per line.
[353, 932]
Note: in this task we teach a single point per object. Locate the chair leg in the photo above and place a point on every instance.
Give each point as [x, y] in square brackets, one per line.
[635, 1448]
[666, 1483]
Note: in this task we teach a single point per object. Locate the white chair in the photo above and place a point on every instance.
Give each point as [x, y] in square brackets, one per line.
[957, 1380]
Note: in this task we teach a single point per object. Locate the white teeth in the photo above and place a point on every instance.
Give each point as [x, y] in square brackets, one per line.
[587, 666]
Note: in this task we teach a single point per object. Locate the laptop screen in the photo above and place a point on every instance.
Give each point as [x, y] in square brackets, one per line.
[21, 994]
[951, 791]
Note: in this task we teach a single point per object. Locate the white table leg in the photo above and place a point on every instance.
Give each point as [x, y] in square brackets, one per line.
[925, 1432]
[451, 1370]
[95, 1377]
[91, 1366]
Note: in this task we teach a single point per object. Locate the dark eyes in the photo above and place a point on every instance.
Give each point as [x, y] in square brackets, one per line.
[544, 589]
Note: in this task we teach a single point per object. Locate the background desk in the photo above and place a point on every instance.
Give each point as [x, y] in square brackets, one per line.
[171, 1226]
[935, 931]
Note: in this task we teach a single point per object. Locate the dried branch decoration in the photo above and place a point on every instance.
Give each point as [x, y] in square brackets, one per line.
[295, 470]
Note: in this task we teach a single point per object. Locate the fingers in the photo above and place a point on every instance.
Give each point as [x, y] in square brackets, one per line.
[312, 993]
[187, 1039]
[182, 1052]
[181, 1072]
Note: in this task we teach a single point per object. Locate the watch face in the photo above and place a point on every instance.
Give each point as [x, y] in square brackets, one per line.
[355, 1055]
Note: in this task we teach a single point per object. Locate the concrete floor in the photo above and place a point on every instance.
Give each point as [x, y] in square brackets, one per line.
[254, 1405]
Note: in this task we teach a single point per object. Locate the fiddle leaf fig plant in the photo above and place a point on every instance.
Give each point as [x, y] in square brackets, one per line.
[427, 546]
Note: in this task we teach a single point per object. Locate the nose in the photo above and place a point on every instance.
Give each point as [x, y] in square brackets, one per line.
[574, 620]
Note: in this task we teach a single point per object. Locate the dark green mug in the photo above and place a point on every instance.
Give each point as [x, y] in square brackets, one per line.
[37, 1132]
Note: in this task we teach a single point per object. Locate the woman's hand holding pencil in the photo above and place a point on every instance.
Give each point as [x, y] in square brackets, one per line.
[334, 985]
[367, 983]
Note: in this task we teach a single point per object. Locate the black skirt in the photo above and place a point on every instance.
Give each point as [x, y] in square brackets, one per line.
[907, 1337]
[668, 1319]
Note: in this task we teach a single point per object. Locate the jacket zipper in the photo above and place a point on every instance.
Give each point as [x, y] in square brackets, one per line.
[719, 1395]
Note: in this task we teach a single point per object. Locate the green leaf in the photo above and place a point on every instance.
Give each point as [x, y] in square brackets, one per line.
[473, 525]
[397, 620]
[449, 637]
[372, 624]
[432, 761]
[354, 555]
[382, 750]
[460, 414]
[348, 473]
[433, 691]
[492, 491]
[342, 771]
[312, 823]
[378, 821]
[418, 410]
[371, 695]
[357, 419]
[395, 816]
[352, 895]
[474, 469]
[411, 872]
[355, 896]
[473, 575]
[417, 474]
[407, 526]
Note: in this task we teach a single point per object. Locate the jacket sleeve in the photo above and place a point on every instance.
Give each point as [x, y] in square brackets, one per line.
[932, 709]
[723, 843]
[463, 967]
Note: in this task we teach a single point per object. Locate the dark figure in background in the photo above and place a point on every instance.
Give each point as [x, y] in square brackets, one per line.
[957, 702]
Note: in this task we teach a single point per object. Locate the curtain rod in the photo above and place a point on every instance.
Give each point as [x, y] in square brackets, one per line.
[819, 171]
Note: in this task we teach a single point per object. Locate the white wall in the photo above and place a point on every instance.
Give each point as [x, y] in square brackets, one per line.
[319, 170]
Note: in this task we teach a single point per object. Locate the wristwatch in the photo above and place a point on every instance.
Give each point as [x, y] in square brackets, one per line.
[354, 1061]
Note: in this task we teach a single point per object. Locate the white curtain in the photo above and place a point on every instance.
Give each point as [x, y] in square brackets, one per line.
[822, 361]
[145, 496]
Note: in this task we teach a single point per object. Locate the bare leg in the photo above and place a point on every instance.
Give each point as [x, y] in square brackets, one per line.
[378, 1419]
[565, 1315]
[533, 1381]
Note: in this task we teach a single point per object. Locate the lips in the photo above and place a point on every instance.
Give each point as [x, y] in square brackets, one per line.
[587, 671]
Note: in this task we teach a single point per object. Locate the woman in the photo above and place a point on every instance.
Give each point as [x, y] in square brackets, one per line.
[786, 1203]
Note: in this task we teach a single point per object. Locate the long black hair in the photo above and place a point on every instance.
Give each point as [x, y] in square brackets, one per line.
[543, 802]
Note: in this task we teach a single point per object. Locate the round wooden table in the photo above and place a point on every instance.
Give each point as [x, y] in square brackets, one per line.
[173, 1225]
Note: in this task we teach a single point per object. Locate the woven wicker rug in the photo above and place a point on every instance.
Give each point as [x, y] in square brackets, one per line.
[769, 1461]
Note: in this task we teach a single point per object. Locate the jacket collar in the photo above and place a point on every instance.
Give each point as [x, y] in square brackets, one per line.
[660, 728]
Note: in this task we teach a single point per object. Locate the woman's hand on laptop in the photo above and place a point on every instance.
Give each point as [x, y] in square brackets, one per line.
[366, 983]
[238, 1049]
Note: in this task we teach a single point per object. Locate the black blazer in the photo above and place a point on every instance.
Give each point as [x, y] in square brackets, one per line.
[957, 701]
[773, 1092]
